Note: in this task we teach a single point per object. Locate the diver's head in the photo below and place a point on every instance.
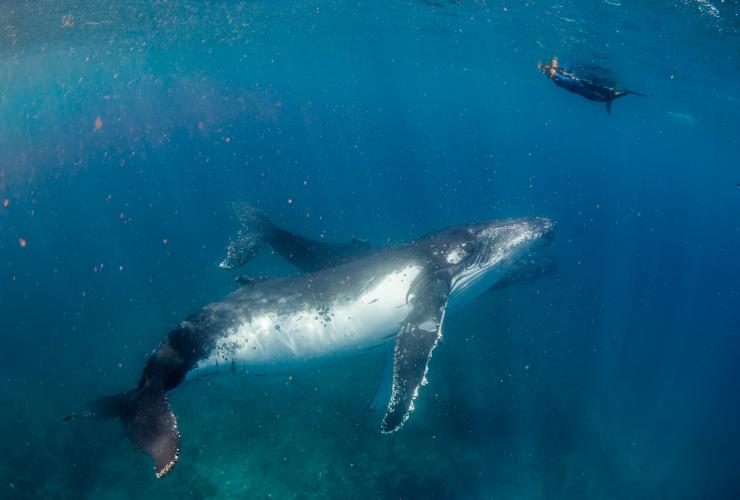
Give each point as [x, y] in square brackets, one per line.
[549, 69]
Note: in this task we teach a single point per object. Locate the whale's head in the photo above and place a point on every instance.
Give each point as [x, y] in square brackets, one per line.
[477, 256]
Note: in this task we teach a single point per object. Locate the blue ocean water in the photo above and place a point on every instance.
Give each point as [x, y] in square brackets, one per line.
[127, 127]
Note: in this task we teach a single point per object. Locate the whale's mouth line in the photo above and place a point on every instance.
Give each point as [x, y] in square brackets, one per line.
[493, 252]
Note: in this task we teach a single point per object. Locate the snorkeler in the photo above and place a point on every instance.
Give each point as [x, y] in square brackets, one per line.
[595, 87]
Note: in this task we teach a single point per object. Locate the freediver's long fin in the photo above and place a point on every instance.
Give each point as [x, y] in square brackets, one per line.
[634, 92]
[383, 392]
[420, 333]
[147, 420]
[623, 93]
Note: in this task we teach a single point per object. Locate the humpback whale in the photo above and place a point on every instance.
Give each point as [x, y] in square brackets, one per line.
[353, 298]
[592, 82]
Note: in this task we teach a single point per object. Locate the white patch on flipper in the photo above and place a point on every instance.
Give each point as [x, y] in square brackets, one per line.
[428, 326]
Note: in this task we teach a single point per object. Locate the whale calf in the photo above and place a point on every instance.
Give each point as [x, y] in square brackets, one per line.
[357, 299]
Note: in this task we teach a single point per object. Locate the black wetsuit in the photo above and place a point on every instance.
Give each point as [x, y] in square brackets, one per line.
[590, 89]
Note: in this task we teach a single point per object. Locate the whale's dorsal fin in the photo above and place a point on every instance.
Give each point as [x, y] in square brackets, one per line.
[245, 280]
[420, 333]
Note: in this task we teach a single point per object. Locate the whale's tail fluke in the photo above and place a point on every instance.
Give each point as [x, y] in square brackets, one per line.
[634, 92]
[147, 420]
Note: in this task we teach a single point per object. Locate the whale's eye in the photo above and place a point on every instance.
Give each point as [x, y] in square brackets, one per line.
[456, 255]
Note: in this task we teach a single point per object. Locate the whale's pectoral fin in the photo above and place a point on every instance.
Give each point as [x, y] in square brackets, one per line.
[420, 332]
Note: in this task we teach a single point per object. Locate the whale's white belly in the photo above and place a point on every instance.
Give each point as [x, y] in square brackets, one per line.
[278, 342]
